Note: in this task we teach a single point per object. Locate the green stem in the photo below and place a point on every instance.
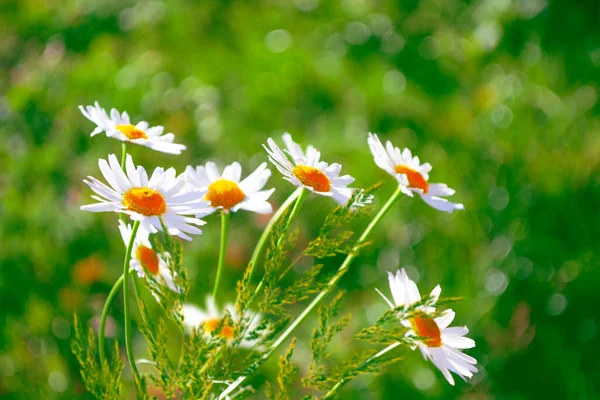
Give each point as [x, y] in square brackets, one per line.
[299, 201]
[107, 306]
[123, 154]
[126, 311]
[262, 241]
[341, 270]
[224, 229]
[166, 231]
[366, 363]
[109, 300]
[295, 210]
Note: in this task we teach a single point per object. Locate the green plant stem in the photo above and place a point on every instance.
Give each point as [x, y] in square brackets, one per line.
[104, 316]
[109, 300]
[136, 292]
[224, 229]
[295, 210]
[126, 310]
[123, 154]
[166, 231]
[122, 217]
[123, 279]
[297, 205]
[262, 241]
[341, 270]
[366, 363]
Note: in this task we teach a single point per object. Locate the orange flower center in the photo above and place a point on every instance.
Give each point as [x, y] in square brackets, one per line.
[145, 201]
[224, 193]
[131, 131]
[426, 328]
[415, 179]
[226, 330]
[312, 177]
[148, 258]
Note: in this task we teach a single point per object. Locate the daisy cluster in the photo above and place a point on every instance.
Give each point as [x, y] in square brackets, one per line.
[177, 203]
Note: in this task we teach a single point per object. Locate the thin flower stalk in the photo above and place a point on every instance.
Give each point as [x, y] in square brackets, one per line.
[331, 284]
[262, 241]
[297, 205]
[136, 288]
[123, 154]
[366, 363]
[109, 300]
[126, 309]
[113, 292]
[224, 229]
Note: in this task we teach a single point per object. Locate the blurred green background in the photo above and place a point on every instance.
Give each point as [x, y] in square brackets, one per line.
[500, 96]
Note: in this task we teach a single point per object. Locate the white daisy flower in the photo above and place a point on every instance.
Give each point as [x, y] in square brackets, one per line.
[439, 343]
[212, 316]
[226, 191]
[412, 176]
[308, 172]
[147, 200]
[119, 126]
[145, 259]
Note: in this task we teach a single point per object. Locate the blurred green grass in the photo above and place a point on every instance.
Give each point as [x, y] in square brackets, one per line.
[500, 97]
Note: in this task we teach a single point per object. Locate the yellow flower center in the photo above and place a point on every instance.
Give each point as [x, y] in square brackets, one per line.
[425, 327]
[415, 179]
[312, 177]
[145, 201]
[211, 325]
[148, 258]
[131, 131]
[224, 193]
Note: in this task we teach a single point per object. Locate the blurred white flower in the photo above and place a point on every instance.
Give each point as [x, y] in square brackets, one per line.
[145, 260]
[119, 126]
[212, 317]
[412, 176]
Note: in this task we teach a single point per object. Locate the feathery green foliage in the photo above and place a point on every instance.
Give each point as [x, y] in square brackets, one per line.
[311, 282]
[320, 377]
[332, 239]
[157, 339]
[283, 240]
[170, 301]
[327, 329]
[103, 382]
[197, 363]
[244, 291]
[286, 376]
[361, 363]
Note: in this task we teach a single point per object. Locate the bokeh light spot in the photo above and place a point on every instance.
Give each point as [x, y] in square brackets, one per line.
[495, 282]
[61, 328]
[423, 379]
[278, 41]
[356, 33]
[394, 82]
[502, 116]
[498, 198]
[57, 381]
[306, 5]
[557, 304]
